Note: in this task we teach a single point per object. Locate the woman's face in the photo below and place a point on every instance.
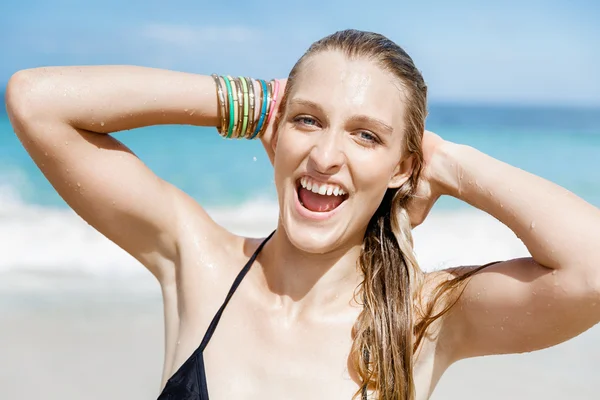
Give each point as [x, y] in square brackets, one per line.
[339, 148]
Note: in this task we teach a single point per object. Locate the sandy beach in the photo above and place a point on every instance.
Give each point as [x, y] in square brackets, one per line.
[75, 326]
[82, 341]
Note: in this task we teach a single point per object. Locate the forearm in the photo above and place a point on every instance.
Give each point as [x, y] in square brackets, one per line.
[107, 99]
[558, 228]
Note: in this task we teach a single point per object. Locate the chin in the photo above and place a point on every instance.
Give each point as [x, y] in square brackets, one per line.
[310, 239]
[315, 232]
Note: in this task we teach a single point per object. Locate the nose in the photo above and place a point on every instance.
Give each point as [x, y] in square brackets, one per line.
[327, 155]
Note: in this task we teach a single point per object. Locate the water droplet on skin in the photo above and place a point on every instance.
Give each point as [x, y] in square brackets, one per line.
[533, 293]
[113, 203]
[46, 154]
[510, 190]
[101, 123]
[594, 304]
[185, 110]
[554, 272]
[67, 170]
[155, 99]
[67, 143]
[78, 184]
[528, 313]
[501, 328]
[192, 113]
[532, 225]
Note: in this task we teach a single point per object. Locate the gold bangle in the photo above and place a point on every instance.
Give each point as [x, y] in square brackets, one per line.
[249, 128]
[221, 105]
[240, 114]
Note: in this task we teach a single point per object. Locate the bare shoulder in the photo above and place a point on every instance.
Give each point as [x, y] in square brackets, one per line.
[210, 256]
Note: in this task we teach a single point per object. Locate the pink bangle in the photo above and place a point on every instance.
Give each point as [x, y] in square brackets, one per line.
[274, 100]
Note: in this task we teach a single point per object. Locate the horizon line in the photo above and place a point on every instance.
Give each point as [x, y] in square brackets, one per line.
[482, 103]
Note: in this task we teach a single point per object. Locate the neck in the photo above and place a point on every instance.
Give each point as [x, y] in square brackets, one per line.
[302, 281]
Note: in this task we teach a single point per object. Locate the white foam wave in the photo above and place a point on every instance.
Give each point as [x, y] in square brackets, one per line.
[46, 241]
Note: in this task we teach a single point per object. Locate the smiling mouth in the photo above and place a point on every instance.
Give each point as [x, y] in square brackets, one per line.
[319, 197]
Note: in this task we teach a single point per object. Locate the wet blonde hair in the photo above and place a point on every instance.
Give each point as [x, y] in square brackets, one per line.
[386, 333]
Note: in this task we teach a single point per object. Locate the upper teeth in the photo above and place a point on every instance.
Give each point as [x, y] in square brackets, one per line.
[321, 188]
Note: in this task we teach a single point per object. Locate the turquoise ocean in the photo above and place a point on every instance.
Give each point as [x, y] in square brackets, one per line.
[233, 180]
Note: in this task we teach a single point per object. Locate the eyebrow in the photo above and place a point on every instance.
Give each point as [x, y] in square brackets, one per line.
[382, 126]
[362, 119]
[307, 103]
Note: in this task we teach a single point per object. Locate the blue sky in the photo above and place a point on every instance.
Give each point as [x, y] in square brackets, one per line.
[544, 52]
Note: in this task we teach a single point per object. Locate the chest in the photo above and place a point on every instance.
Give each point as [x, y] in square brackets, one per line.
[254, 355]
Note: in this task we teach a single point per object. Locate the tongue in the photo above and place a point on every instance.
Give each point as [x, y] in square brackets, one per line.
[317, 202]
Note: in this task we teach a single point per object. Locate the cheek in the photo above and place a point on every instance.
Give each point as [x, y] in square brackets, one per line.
[371, 172]
[288, 156]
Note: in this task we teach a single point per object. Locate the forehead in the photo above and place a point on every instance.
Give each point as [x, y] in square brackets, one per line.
[350, 87]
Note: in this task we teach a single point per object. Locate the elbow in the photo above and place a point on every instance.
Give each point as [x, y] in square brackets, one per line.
[594, 286]
[590, 272]
[23, 99]
[593, 296]
[588, 287]
[582, 286]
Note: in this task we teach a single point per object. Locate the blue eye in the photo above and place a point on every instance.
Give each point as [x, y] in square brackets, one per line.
[306, 121]
[366, 136]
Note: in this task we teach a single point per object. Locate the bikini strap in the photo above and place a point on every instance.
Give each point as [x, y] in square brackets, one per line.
[236, 283]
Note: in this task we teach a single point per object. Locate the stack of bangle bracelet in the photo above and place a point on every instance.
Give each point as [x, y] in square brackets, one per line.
[246, 106]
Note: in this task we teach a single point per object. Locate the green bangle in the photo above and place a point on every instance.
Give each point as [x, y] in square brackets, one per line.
[236, 105]
[231, 108]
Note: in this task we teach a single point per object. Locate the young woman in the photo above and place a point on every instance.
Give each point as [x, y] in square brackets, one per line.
[332, 305]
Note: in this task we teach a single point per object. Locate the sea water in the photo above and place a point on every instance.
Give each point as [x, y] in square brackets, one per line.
[233, 180]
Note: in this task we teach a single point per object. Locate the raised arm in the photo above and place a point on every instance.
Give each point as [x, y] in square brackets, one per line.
[523, 304]
[63, 116]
